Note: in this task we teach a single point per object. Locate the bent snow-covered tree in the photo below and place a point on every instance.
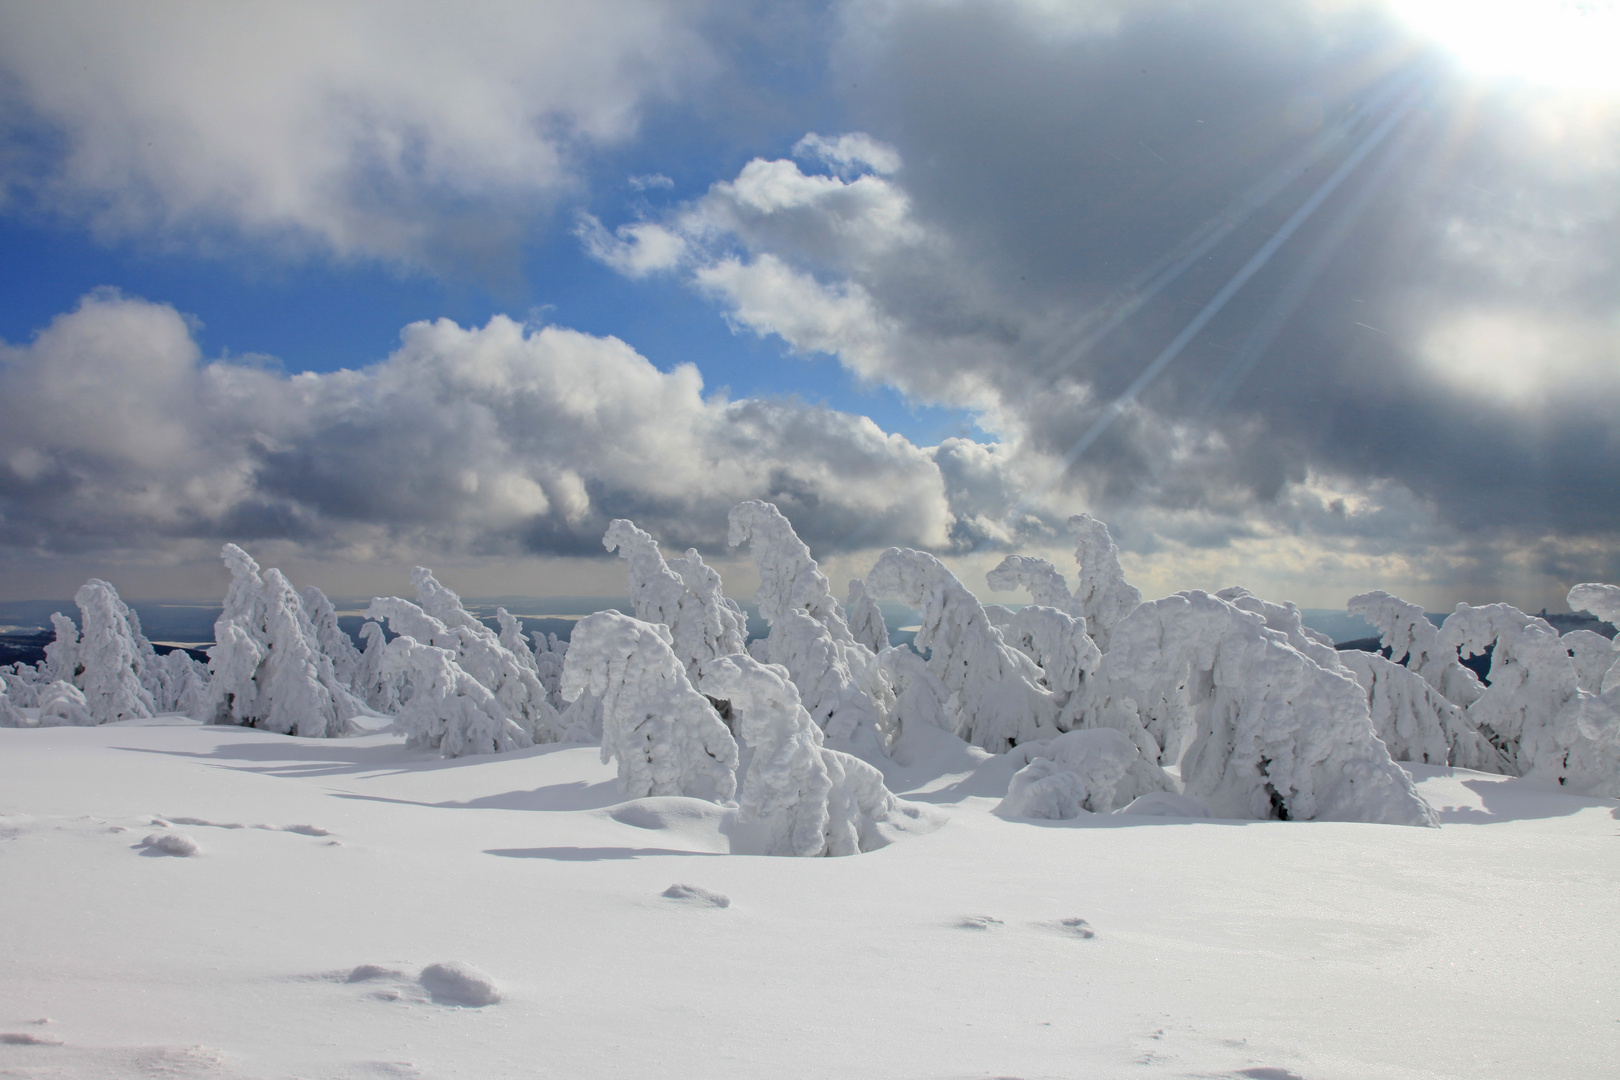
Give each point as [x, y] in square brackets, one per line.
[995, 697]
[838, 678]
[1534, 710]
[440, 620]
[1273, 734]
[804, 798]
[1045, 584]
[666, 737]
[110, 661]
[684, 594]
[1415, 721]
[267, 667]
[1410, 637]
[865, 618]
[448, 710]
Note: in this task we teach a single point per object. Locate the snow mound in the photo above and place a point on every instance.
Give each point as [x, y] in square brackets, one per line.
[173, 843]
[368, 972]
[696, 896]
[1165, 804]
[1075, 928]
[24, 1038]
[978, 922]
[453, 982]
[1091, 771]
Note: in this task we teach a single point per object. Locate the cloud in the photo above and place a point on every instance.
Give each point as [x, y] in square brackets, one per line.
[114, 432]
[404, 132]
[1059, 190]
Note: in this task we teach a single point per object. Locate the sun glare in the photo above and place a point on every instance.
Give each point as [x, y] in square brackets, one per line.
[1564, 44]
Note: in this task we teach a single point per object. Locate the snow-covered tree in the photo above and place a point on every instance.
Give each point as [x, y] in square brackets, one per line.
[1054, 639]
[267, 667]
[866, 622]
[684, 594]
[382, 688]
[1043, 580]
[1091, 771]
[181, 683]
[10, 715]
[1592, 654]
[804, 798]
[550, 653]
[330, 638]
[109, 659]
[1604, 602]
[1533, 709]
[996, 699]
[1273, 733]
[839, 682]
[22, 683]
[61, 704]
[441, 621]
[1410, 638]
[920, 699]
[511, 636]
[448, 711]
[666, 737]
[61, 661]
[1414, 721]
[1102, 594]
[1288, 621]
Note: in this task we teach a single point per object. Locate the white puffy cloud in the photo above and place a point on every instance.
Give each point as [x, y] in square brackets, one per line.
[501, 439]
[407, 131]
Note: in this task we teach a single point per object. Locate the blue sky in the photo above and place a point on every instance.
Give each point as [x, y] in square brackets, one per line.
[1310, 297]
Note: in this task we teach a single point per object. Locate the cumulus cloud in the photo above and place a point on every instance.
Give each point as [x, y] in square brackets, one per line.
[501, 439]
[407, 131]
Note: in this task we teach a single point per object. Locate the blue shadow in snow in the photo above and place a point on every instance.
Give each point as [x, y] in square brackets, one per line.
[587, 854]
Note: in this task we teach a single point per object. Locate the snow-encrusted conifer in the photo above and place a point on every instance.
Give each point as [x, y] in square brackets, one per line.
[1273, 733]
[512, 639]
[1287, 620]
[381, 687]
[182, 683]
[1604, 602]
[1592, 654]
[1410, 638]
[996, 699]
[550, 653]
[108, 657]
[1414, 721]
[1534, 710]
[804, 798]
[1054, 639]
[866, 622]
[61, 661]
[441, 621]
[22, 683]
[10, 715]
[839, 682]
[684, 594]
[1090, 771]
[267, 668]
[666, 737]
[448, 711]
[1102, 594]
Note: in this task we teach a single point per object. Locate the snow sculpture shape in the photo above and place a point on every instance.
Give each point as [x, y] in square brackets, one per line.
[1274, 734]
[1534, 710]
[1045, 584]
[513, 641]
[61, 704]
[109, 660]
[1410, 638]
[267, 667]
[442, 622]
[1414, 721]
[10, 715]
[683, 594]
[1604, 602]
[667, 738]
[330, 638]
[996, 699]
[920, 700]
[22, 682]
[838, 678]
[804, 798]
[1092, 771]
[866, 623]
[448, 711]
[1103, 595]
[182, 683]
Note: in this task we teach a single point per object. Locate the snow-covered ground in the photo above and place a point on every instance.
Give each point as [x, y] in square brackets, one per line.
[1113, 946]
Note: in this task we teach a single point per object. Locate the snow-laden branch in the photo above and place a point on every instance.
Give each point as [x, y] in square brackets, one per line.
[1102, 594]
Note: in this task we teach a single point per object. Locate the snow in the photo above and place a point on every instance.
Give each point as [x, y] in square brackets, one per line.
[1103, 596]
[1122, 944]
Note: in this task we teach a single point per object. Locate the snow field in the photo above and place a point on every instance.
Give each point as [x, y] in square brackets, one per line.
[1219, 948]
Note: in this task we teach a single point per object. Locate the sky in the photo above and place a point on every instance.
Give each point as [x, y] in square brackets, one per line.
[1311, 297]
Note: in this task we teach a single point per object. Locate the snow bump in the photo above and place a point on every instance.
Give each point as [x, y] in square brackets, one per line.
[456, 983]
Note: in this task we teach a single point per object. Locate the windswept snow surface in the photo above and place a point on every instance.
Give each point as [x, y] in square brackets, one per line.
[389, 896]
